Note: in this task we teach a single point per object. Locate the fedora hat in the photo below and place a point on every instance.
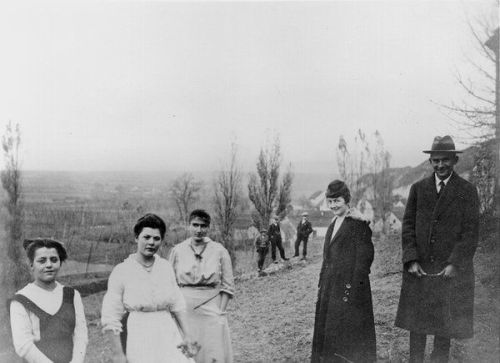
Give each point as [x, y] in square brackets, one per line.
[442, 144]
[305, 214]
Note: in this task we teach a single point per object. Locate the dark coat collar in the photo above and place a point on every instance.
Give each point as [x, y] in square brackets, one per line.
[342, 231]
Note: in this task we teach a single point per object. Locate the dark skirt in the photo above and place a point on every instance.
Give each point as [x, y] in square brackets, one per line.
[344, 328]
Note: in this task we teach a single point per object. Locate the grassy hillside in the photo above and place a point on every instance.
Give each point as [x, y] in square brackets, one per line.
[272, 317]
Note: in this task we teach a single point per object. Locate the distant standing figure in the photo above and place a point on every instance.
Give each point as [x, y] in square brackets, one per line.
[304, 229]
[204, 273]
[262, 247]
[344, 328]
[439, 239]
[275, 239]
[47, 319]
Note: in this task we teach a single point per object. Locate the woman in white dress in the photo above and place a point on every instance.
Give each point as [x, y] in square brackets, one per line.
[204, 272]
[47, 318]
[144, 285]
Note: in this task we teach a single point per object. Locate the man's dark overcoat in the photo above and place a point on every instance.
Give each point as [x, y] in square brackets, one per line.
[304, 230]
[344, 324]
[438, 232]
[274, 233]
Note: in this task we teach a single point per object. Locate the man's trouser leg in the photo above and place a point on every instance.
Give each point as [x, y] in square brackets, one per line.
[304, 249]
[441, 350]
[297, 244]
[273, 249]
[262, 257]
[417, 347]
[280, 248]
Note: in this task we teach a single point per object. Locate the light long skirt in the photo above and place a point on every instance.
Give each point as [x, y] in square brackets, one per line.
[153, 338]
[208, 326]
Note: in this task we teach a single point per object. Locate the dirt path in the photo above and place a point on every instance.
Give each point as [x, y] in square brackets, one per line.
[272, 317]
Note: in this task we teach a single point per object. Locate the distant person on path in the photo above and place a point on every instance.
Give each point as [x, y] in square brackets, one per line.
[47, 319]
[144, 286]
[275, 238]
[204, 273]
[439, 239]
[262, 247]
[304, 229]
[344, 328]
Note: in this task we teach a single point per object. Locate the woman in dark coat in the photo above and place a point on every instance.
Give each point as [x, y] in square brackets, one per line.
[344, 329]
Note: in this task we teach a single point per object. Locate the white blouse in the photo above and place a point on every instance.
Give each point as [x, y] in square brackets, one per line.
[132, 288]
[25, 324]
[213, 269]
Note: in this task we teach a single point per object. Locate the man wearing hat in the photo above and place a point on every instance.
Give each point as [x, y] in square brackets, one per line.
[275, 238]
[439, 239]
[304, 229]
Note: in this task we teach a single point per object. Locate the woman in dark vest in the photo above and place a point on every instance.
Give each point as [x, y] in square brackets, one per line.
[47, 318]
[344, 329]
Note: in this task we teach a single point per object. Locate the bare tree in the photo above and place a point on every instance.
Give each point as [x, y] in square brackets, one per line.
[366, 170]
[264, 189]
[475, 113]
[478, 112]
[352, 163]
[381, 178]
[483, 177]
[227, 196]
[184, 192]
[14, 271]
[285, 192]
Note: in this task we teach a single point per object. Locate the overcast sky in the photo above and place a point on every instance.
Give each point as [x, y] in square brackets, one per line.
[169, 86]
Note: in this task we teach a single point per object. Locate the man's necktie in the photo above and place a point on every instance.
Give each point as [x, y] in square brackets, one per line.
[441, 187]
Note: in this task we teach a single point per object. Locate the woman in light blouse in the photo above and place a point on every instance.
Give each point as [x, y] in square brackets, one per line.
[144, 285]
[47, 318]
[204, 272]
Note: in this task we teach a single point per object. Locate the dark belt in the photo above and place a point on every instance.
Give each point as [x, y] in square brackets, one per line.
[213, 285]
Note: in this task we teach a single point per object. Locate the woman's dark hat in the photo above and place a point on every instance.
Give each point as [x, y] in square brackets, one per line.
[337, 188]
[442, 144]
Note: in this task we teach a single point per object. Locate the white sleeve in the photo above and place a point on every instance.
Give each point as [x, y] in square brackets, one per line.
[112, 304]
[23, 336]
[178, 302]
[227, 279]
[80, 335]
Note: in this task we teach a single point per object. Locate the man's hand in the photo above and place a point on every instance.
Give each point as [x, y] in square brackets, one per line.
[416, 270]
[448, 272]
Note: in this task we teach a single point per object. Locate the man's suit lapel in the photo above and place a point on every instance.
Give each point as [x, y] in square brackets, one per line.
[430, 190]
[448, 194]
